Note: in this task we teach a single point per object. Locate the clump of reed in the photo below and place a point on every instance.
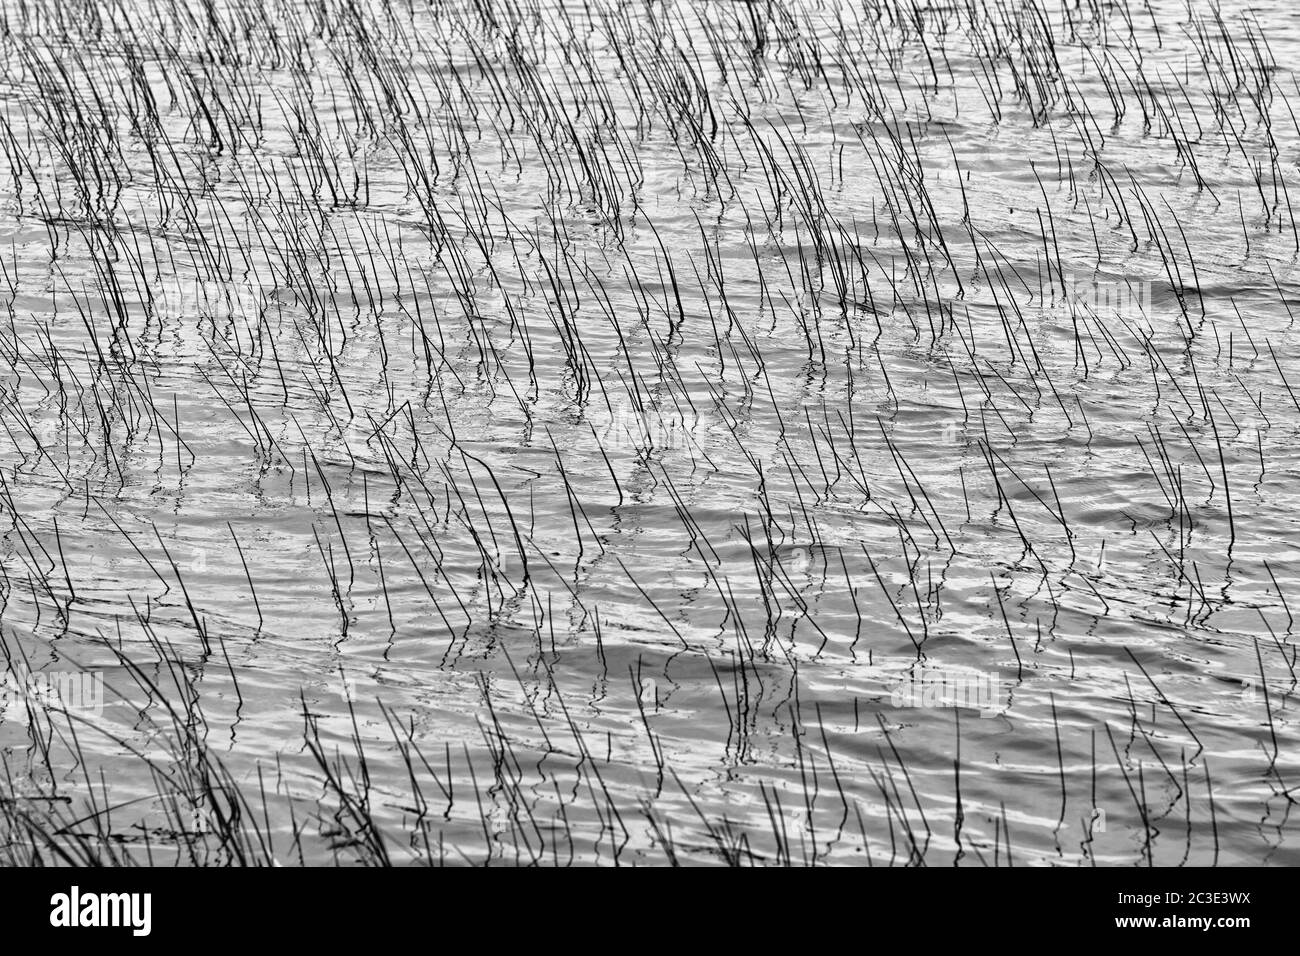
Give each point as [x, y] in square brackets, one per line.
[588, 364]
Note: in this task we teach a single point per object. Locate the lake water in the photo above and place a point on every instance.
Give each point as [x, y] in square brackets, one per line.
[649, 432]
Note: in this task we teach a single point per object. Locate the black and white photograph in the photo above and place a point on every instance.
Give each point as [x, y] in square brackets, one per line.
[656, 433]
